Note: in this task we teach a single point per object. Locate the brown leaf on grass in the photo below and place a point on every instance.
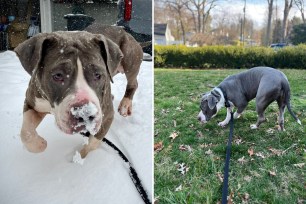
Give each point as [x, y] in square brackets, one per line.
[251, 152]
[242, 160]
[276, 151]
[245, 198]
[158, 146]
[272, 173]
[300, 165]
[220, 177]
[230, 198]
[173, 135]
[156, 201]
[185, 148]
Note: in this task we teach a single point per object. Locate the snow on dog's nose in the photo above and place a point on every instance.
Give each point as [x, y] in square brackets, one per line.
[84, 118]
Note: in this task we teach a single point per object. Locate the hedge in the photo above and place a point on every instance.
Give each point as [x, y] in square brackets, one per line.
[180, 56]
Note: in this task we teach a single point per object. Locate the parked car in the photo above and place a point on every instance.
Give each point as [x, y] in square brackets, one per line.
[136, 18]
[277, 46]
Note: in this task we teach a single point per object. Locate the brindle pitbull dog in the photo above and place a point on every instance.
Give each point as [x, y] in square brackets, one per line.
[70, 78]
[263, 83]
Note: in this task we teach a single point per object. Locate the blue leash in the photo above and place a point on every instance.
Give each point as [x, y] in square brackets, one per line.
[227, 161]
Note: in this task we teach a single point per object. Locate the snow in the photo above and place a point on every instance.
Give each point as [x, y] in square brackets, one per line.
[51, 176]
[85, 112]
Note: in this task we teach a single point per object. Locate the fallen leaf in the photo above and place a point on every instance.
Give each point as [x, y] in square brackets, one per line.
[246, 198]
[251, 152]
[206, 145]
[247, 178]
[200, 134]
[238, 141]
[300, 165]
[208, 152]
[179, 109]
[156, 200]
[158, 146]
[270, 131]
[272, 173]
[185, 148]
[156, 133]
[242, 160]
[220, 176]
[178, 188]
[173, 135]
[260, 154]
[182, 168]
[174, 123]
[276, 151]
[230, 198]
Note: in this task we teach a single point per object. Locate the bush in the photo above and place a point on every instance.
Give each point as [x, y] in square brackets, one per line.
[229, 57]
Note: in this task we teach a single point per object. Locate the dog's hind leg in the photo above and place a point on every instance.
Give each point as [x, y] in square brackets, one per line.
[282, 107]
[131, 65]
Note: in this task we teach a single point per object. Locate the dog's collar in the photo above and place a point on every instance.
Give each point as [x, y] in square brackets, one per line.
[226, 102]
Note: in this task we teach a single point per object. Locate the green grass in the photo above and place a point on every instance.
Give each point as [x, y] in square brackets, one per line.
[177, 94]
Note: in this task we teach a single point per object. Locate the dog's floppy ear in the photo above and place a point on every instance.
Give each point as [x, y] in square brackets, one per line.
[30, 52]
[111, 54]
[212, 101]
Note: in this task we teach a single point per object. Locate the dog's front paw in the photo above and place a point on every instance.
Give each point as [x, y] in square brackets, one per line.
[125, 107]
[222, 124]
[36, 144]
[253, 126]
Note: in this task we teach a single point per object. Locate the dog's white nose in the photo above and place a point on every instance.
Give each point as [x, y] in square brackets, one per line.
[201, 117]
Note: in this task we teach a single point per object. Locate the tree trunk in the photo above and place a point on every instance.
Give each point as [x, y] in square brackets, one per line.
[268, 33]
[288, 6]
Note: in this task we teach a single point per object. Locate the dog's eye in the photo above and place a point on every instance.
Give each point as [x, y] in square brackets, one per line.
[58, 77]
[97, 76]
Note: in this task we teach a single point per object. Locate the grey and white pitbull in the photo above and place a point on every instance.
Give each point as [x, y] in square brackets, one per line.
[263, 83]
[70, 78]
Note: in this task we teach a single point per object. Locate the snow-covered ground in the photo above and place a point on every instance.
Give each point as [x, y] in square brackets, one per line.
[51, 177]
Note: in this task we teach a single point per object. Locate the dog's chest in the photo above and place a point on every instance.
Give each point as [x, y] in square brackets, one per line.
[42, 105]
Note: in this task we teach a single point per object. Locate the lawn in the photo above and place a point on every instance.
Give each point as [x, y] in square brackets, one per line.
[267, 166]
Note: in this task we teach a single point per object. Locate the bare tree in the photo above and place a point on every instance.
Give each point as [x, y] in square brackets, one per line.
[300, 6]
[200, 11]
[288, 6]
[269, 27]
[178, 6]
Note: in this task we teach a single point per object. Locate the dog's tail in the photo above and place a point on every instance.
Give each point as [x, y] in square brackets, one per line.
[287, 99]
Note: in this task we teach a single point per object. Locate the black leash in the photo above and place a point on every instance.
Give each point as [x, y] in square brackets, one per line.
[133, 173]
[228, 151]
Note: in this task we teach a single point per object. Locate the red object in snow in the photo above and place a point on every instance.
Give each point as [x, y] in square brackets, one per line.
[127, 10]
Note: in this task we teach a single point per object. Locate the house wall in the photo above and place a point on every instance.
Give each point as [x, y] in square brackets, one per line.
[104, 13]
[159, 40]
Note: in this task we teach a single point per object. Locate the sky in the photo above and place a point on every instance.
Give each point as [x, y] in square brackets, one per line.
[255, 9]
